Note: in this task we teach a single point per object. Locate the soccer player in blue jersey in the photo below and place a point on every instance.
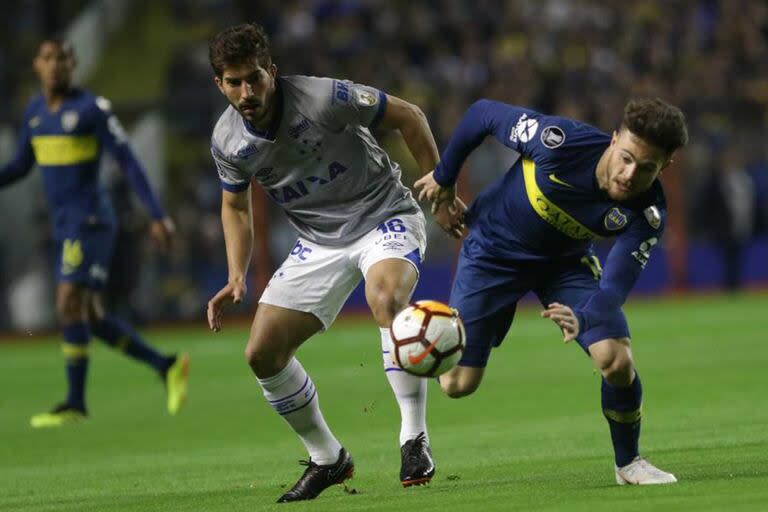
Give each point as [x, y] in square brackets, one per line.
[64, 131]
[532, 230]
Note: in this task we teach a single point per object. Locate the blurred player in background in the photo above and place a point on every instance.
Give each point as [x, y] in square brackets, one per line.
[64, 131]
[532, 230]
[307, 142]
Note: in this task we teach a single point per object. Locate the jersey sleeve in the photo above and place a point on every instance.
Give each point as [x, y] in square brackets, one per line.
[627, 258]
[343, 103]
[114, 139]
[231, 178]
[514, 127]
[23, 158]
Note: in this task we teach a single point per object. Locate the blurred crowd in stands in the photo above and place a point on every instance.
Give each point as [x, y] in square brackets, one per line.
[576, 58]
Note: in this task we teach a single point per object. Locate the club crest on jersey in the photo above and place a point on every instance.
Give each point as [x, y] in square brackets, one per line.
[69, 120]
[653, 216]
[524, 130]
[246, 151]
[365, 98]
[614, 219]
[34, 122]
[552, 137]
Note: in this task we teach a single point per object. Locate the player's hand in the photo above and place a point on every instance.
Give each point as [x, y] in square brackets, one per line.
[162, 232]
[564, 317]
[431, 190]
[232, 293]
[450, 217]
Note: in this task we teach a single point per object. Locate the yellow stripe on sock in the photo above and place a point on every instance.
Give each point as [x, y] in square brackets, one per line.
[72, 351]
[624, 417]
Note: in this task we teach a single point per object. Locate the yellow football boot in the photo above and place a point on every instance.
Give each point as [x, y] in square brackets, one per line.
[61, 415]
[176, 381]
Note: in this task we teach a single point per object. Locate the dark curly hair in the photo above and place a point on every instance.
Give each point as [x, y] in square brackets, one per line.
[656, 122]
[238, 45]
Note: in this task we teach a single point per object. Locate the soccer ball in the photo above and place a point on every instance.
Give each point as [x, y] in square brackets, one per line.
[427, 338]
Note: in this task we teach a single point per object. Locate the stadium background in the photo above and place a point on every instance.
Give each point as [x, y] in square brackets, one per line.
[532, 438]
[581, 59]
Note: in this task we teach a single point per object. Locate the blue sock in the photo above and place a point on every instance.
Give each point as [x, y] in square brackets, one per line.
[621, 407]
[119, 335]
[75, 348]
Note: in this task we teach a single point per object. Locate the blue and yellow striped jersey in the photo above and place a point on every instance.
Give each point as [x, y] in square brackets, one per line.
[548, 205]
[67, 145]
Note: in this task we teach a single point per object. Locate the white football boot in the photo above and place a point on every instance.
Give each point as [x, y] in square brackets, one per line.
[642, 472]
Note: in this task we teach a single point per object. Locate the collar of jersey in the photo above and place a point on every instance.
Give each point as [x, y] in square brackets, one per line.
[271, 132]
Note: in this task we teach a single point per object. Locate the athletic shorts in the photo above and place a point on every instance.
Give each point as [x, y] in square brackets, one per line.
[486, 291]
[318, 279]
[83, 257]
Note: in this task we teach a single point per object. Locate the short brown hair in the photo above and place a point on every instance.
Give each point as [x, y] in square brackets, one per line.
[238, 45]
[656, 122]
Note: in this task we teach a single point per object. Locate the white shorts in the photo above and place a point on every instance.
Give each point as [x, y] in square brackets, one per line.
[318, 279]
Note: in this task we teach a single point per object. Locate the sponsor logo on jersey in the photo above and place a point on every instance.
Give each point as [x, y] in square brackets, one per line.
[643, 253]
[524, 130]
[653, 216]
[614, 219]
[552, 137]
[297, 129]
[551, 213]
[365, 98]
[246, 151]
[340, 92]
[69, 120]
[306, 186]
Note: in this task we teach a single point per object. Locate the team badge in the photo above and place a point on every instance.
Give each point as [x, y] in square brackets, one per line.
[552, 137]
[365, 98]
[653, 216]
[34, 122]
[69, 120]
[524, 130]
[614, 219]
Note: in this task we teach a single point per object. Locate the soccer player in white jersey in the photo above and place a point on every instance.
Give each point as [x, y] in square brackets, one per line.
[307, 142]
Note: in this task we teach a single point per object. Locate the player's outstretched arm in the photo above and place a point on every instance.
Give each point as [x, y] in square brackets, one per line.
[236, 219]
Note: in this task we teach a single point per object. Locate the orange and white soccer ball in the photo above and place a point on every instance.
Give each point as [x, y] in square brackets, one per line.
[427, 338]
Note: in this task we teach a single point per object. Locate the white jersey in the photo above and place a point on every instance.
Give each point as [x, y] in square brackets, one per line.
[318, 161]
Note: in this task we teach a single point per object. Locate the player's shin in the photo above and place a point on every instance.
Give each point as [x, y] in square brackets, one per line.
[75, 349]
[410, 392]
[622, 410]
[121, 336]
[292, 394]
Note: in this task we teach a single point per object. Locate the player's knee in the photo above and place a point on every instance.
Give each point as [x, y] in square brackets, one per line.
[385, 305]
[455, 386]
[70, 307]
[264, 360]
[617, 367]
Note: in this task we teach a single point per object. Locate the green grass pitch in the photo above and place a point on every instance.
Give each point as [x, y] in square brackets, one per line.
[532, 438]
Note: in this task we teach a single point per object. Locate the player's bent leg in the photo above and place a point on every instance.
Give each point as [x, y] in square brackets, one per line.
[621, 396]
[389, 284]
[461, 381]
[71, 310]
[275, 336]
[173, 370]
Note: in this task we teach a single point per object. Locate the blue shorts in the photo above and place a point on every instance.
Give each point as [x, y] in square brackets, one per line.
[486, 290]
[84, 255]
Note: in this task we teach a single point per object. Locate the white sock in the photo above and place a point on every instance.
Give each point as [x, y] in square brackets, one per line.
[292, 394]
[410, 392]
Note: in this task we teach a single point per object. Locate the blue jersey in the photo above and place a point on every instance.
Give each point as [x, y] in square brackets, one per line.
[67, 146]
[548, 206]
